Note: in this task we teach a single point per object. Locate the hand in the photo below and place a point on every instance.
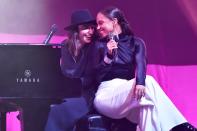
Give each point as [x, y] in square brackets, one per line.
[111, 45]
[139, 91]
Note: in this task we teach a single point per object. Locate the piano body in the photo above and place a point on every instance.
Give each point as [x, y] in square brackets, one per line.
[31, 78]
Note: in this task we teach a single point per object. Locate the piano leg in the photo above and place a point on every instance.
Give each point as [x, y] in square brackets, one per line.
[6, 107]
[3, 121]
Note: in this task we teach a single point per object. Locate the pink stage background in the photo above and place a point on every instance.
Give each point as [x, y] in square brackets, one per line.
[168, 27]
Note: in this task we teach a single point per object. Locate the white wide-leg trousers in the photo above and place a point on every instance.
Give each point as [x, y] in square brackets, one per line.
[154, 112]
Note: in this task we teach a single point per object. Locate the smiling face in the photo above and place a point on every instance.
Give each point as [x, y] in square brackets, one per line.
[104, 25]
[86, 32]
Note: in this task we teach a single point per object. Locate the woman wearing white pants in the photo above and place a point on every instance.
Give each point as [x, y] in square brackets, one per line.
[119, 60]
[153, 112]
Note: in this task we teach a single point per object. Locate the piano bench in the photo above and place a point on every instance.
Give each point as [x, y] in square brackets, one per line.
[92, 122]
[6, 107]
[97, 122]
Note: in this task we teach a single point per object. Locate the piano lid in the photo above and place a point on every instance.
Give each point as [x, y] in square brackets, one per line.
[33, 71]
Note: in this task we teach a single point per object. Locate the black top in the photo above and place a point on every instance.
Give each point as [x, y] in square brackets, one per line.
[73, 67]
[129, 59]
[78, 67]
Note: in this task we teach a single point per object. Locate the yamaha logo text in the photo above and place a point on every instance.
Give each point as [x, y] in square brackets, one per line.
[27, 78]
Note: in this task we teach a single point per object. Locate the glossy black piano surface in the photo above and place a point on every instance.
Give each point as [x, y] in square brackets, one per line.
[32, 71]
[31, 78]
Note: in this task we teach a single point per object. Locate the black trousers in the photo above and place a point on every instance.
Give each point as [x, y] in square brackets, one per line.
[74, 111]
[63, 117]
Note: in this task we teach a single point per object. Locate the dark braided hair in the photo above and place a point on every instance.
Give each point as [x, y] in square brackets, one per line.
[113, 12]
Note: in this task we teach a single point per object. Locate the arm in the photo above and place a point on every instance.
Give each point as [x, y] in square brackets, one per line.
[100, 58]
[140, 58]
[98, 64]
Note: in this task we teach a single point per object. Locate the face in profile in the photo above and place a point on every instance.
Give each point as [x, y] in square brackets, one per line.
[86, 32]
[104, 25]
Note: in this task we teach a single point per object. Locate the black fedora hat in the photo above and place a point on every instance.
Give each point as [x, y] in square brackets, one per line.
[80, 17]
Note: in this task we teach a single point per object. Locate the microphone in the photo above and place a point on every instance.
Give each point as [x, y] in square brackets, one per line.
[50, 34]
[111, 36]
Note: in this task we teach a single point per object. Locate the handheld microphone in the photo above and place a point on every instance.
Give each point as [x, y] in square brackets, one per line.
[111, 36]
[52, 31]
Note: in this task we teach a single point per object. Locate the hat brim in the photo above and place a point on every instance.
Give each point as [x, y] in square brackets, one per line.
[74, 26]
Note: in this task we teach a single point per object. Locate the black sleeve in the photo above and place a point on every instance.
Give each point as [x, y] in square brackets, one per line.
[99, 67]
[140, 58]
[98, 54]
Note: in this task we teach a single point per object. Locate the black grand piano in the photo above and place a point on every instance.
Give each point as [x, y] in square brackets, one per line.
[31, 79]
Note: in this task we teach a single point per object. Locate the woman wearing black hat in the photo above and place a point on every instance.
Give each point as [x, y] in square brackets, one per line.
[73, 64]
